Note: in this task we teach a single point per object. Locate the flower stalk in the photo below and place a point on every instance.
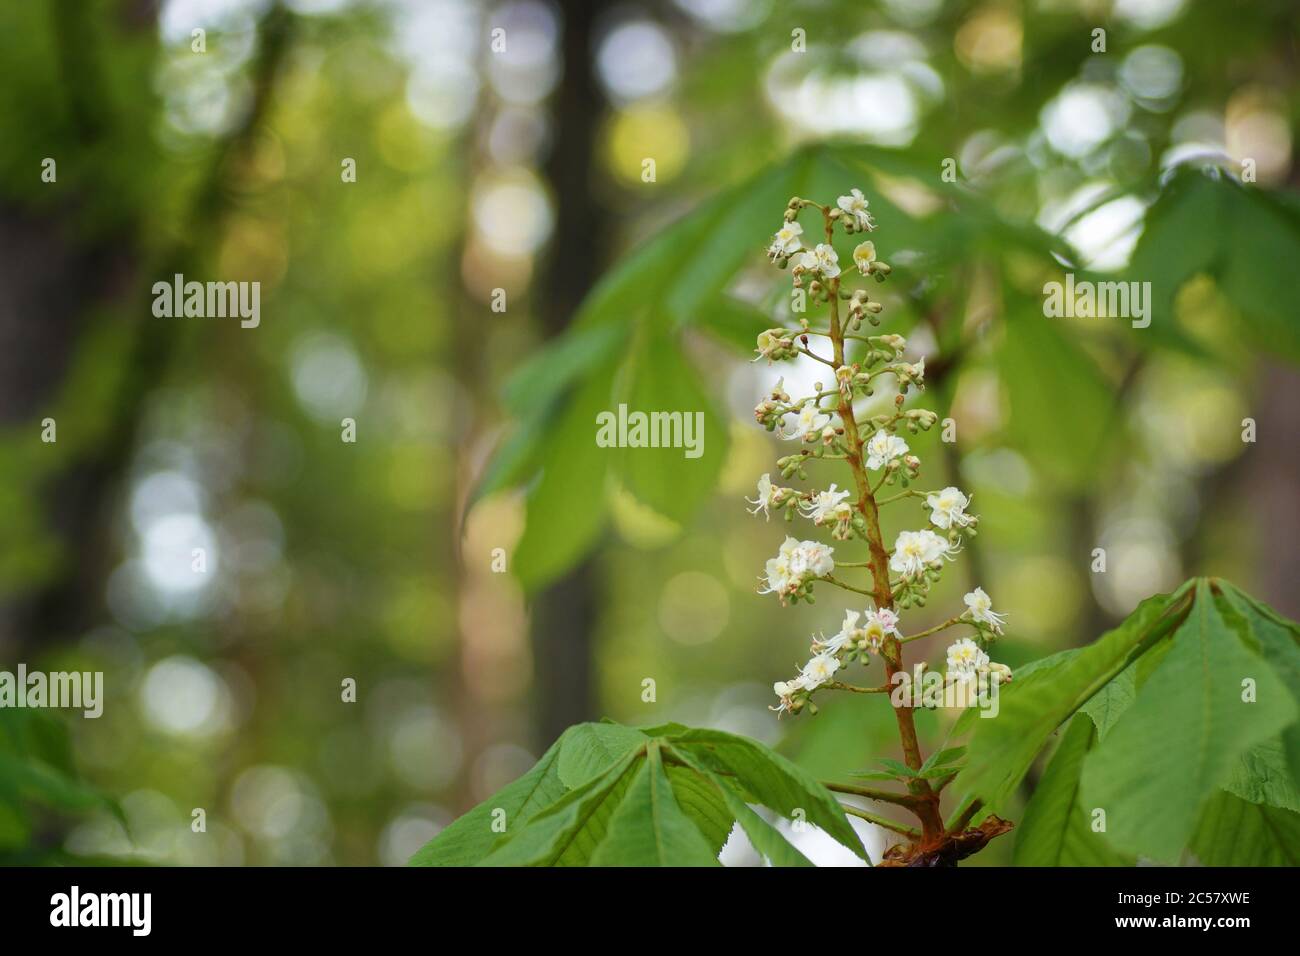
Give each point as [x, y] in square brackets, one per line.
[829, 426]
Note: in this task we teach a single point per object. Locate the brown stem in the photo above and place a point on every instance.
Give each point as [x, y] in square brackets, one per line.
[927, 808]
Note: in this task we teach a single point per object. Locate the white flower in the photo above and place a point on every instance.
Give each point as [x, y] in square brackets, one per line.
[819, 670]
[824, 506]
[823, 259]
[877, 626]
[766, 496]
[814, 559]
[981, 610]
[789, 547]
[809, 422]
[948, 509]
[796, 563]
[785, 242]
[863, 255]
[883, 448]
[965, 659]
[917, 371]
[848, 633]
[914, 551]
[777, 576]
[785, 690]
[855, 204]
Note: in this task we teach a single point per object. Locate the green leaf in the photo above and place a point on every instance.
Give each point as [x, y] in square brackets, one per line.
[567, 510]
[1235, 832]
[766, 839]
[1237, 234]
[1056, 828]
[591, 749]
[472, 837]
[1107, 705]
[1262, 776]
[1069, 440]
[568, 832]
[1182, 737]
[941, 758]
[897, 768]
[736, 323]
[772, 780]
[1002, 748]
[649, 828]
[1275, 639]
[702, 804]
[663, 381]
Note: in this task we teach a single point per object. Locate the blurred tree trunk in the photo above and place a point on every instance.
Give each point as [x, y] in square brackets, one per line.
[564, 616]
[1272, 475]
[48, 286]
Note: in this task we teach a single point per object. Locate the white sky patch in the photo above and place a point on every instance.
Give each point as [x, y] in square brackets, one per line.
[1082, 117]
[1152, 75]
[1148, 14]
[882, 107]
[183, 697]
[328, 377]
[167, 551]
[511, 211]
[726, 16]
[636, 60]
[1105, 236]
[526, 73]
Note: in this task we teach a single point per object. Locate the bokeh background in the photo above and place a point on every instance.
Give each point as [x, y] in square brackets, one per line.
[521, 170]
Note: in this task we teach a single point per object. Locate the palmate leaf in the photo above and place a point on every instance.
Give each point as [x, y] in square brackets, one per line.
[568, 832]
[1031, 708]
[1236, 832]
[1057, 829]
[649, 828]
[608, 795]
[771, 780]
[1275, 639]
[1176, 738]
[1184, 734]
[472, 837]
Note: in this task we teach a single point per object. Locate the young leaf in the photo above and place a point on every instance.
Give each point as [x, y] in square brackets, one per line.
[566, 510]
[702, 804]
[1056, 829]
[1234, 832]
[568, 832]
[1034, 705]
[591, 749]
[766, 839]
[1182, 737]
[1107, 705]
[649, 828]
[772, 780]
[472, 837]
[941, 758]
